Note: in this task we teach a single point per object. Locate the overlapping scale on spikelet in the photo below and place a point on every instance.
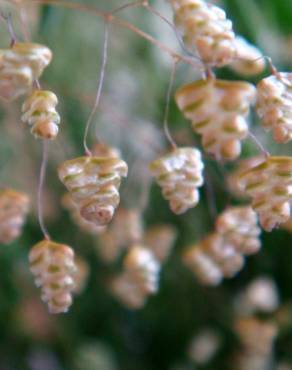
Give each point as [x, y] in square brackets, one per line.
[142, 265]
[255, 354]
[125, 229]
[206, 30]
[270, 186]
[14, 207]
[239, 225]
[20, 66]
[39, 111]
[94, 185]
[248, 60]
[86, 226]
[53, 267]
[221, 254]
[274, 105]
[160, 239]
[234, 178]
[179, 173]
[218, 110]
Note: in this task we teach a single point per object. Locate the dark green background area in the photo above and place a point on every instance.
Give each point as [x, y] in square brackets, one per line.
[156, 337]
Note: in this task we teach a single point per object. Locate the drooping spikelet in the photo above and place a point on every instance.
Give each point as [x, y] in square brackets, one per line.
[13, 210]
[221, 254]
[218, 110]
[53, 267]
[125, 229]
[179, 173]
[20, 66]
[125, 288]
[94, 185]
[248, 60]
[256, 354]
[274, 105]
[239, 227]
[234, 178]
[160, 239]
[40, 113]
[84, 225]
[141, 264]
[203, 266]
[206, 30]
[269, 186]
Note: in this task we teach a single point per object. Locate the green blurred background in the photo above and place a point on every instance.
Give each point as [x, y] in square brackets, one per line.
[98, 333]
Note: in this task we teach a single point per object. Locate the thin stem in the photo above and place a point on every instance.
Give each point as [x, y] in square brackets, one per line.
[258, 144]
[134, 4]
[41, 188]
[121, 23]
[167, 105]
[8, 20]
[172, 26]
[99, 89]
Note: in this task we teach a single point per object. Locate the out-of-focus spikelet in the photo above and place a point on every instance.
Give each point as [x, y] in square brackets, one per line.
[160, 239]
[20, 66]
[14, 207]
[141, 263]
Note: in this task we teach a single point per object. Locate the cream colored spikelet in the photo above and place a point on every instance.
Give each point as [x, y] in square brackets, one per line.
[94, 185]
[203, 266]
[53, 267]
[270, 186]
[248, 59]
[39, 112]
[274, 105]
[14, 207]
[160, 239]
[86, 226]
[143, 266]
[126, 289]
[218, 110]
[205, 30]
[20, 66]
[179, 173]
[239, 226]
[233, 179]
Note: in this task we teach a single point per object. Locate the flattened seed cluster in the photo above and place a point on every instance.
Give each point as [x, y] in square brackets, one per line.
[94, 185]
[218, 110]
[40, 113]
[53, 267]
[269, 186]
[221, 254]
[179, 173]
[20, 66]
[206, 30]
[14, 207]
[274, 105]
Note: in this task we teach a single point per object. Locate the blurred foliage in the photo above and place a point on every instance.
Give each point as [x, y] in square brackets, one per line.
[98, 333]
